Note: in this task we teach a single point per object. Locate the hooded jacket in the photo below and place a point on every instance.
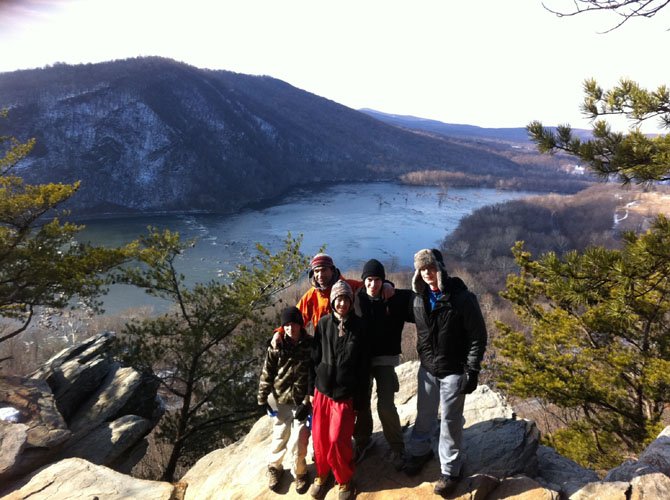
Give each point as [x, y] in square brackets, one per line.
[315, 303]
[340, 364]
[286, 371]
[451, 338]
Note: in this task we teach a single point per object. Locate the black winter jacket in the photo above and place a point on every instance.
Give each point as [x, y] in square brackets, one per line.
[340, 364]
[452, 337]
[384, 320]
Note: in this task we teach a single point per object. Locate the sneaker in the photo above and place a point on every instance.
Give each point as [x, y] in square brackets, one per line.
[445, 485]
[301, 483]
[361, 450]
[345, 491]
[414, 463]
[274, 477]
[318, 489]
[395, 458]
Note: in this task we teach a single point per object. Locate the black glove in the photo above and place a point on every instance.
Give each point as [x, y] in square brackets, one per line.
[471, 382]
[302, 411]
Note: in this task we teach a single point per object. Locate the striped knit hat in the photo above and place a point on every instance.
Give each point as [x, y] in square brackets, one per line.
[321, 260]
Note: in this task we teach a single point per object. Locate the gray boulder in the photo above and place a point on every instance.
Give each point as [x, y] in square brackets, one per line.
[560, 473]
[501, 448]
[655, 458]
[79, 404]
[36, 430]
[77, 478]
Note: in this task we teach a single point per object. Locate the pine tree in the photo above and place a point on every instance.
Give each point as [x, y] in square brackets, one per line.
[206, 349]
[595, 324]
[41, 264]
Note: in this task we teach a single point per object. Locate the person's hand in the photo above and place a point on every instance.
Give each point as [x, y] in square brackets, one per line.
[302, 411]
[388, 290]
[472, 379]
[277, 339]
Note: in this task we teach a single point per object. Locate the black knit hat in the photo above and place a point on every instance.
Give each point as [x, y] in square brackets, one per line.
[373, 268]
[291, 315]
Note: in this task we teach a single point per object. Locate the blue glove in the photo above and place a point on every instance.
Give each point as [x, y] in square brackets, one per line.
[270, 411]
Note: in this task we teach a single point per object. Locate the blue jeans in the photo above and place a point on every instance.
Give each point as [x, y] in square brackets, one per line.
[431, 393]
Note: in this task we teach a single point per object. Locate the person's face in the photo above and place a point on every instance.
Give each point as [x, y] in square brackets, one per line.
[373, 284]
[342, 304]
[292, 330]
[323, 275]
[429, 276]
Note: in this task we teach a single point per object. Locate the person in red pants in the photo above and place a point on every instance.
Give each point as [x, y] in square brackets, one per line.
[340, 368]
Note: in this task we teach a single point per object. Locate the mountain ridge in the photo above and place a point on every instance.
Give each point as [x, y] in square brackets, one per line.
[152, 135]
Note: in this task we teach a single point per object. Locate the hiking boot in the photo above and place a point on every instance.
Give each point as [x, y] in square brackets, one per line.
[446, 485]
[274, 477]
[414, 463]
[395, 458]
[345, 491]
[301, 483]
[361, 450]
[318, 489]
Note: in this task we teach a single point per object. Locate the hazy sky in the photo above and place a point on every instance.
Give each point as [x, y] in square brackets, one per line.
[491, 63]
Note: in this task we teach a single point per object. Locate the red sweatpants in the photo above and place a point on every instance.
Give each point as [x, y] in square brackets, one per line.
[332, 429]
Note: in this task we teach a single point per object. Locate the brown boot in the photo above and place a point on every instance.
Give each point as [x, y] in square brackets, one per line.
[301, 483]
[346, 491]
[274, 477]
[318, 489]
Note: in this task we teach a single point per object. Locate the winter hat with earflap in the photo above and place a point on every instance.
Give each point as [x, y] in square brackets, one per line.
[426, 258]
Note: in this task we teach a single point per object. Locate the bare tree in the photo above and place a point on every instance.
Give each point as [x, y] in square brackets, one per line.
[624, 9]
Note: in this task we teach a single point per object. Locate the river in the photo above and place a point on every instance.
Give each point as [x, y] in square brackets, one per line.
[355, 222]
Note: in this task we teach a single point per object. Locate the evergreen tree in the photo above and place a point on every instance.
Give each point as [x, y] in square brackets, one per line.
[594, 325]
[597, 338]
[632, 157]
[206, 349]
[41, 264]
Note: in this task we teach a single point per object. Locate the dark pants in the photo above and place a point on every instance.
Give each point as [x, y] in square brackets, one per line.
[387, 386]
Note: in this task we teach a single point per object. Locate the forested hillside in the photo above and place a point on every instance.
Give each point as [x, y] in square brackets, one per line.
[153, 135]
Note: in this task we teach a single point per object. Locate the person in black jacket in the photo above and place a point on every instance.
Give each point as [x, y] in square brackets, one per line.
[340, 365]
[384, 320]
[451, 340]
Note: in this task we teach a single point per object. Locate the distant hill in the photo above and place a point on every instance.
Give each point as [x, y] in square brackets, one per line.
[155, 135]
[517, 134]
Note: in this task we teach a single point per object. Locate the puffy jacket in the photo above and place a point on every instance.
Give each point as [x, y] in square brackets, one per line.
[384, 320]
[286, 371]
[452, 337]
[315, 303]
[340, 364]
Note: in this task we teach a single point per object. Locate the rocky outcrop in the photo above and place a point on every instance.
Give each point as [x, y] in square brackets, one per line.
[503, 460]
[79, 404]
[499, 446]
[655, 458]
[76, 478]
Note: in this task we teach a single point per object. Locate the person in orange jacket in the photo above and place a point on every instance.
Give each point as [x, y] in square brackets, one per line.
[315, 302]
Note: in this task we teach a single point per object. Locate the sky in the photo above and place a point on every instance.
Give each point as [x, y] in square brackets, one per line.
[489, 63]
